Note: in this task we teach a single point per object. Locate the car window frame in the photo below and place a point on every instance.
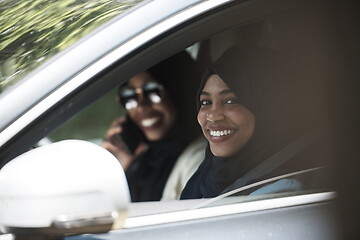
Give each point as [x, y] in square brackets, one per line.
[81, 101]
[78, 57]
[116, 66]
[235, 205]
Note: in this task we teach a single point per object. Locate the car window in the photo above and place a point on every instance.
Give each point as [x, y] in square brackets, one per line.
[92, 123]
[283, 32]
[33, 31]
[236, 195]
[88, 125]
[291, 37]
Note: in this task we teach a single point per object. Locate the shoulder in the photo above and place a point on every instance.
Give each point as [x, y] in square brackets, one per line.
[186, 165]
[283, 185]
[190, 159]
[196, 147]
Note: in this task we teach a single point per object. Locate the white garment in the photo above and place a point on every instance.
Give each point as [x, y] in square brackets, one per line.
[187, 163]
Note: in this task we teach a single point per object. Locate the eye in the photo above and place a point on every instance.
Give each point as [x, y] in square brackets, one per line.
[231, 101]
[205, 102]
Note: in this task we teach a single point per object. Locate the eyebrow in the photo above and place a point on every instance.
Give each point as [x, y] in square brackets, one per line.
[223, 92]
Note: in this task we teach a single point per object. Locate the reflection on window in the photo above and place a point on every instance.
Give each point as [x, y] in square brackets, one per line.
[32, 31]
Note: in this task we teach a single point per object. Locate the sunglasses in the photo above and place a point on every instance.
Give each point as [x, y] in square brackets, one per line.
[129, 96]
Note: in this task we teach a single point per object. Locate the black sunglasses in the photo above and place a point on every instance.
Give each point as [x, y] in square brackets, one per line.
[129, 96]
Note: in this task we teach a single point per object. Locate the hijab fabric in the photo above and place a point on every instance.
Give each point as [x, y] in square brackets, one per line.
[248, 73]
[148, 173]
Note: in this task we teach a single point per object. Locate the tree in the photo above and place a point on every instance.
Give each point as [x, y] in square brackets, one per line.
[33, 30]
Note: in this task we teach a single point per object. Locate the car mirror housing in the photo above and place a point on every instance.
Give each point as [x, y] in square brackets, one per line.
[64, 188]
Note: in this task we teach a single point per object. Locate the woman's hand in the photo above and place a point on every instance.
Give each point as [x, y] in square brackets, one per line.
[113, 143]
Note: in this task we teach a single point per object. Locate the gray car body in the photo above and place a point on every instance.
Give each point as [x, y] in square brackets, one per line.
[147, 34]
[313, 221]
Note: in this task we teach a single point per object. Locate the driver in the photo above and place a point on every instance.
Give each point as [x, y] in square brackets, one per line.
[244, 115]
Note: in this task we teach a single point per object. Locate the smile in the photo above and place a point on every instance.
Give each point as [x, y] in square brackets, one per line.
[220, 133]
[149, 122]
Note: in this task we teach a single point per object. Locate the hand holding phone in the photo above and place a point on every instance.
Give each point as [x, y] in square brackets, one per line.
[124, 140]
[131, 135]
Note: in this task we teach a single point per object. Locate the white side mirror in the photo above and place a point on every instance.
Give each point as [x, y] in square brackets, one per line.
[64, 188]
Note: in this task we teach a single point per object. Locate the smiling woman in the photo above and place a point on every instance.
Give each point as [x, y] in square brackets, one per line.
[151, 138]
[246, 124]
[155, 112]
[220, 104]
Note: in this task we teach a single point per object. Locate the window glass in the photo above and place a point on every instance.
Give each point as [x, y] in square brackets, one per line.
[91, 123]
[33, 31]
[292, 66]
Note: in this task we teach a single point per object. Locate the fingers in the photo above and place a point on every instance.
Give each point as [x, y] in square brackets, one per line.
[112, 133]
[122, 156]
[113, 143]
[141, 148]
[115, 129]
[117, 122]
[110, 147]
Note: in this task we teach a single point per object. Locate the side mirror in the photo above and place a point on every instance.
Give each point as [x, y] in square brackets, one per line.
[64, 188]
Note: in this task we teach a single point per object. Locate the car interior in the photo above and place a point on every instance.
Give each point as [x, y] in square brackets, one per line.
[287, 30]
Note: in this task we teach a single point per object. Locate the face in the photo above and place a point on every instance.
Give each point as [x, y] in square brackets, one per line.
[225, 123]
[154, 119]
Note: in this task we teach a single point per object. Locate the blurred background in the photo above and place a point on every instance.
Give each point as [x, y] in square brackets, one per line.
[28, 38]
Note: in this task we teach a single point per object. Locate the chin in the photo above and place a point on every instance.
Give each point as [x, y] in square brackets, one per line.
[152, 136]
[221, 152]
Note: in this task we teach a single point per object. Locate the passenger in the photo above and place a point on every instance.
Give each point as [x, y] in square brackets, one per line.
[160, 112]
[249, 111]
[184, 168]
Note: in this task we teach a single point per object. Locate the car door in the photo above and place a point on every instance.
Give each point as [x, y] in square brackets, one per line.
[169, 28]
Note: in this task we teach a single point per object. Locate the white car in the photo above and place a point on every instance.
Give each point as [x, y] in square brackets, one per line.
[44, 193]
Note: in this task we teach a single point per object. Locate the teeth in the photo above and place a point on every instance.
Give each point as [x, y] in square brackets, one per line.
[221, 133]
[148, 122]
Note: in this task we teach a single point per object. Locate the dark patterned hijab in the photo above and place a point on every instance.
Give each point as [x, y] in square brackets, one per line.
[258, 77]
[148, 173]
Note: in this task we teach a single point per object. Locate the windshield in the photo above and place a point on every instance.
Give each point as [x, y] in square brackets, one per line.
[33, 31]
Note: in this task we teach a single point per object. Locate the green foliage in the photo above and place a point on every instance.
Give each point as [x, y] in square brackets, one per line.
[33, 30]
[91, 123]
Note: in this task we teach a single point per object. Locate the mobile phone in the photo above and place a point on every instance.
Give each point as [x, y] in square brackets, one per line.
[131, 135]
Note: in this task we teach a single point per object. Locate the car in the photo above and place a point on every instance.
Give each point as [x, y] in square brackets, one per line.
[319, 34]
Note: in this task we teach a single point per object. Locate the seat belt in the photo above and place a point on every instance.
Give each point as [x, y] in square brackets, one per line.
[274, 161]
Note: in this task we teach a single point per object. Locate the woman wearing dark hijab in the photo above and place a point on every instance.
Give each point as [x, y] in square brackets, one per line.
[158, 105]
[248, 112]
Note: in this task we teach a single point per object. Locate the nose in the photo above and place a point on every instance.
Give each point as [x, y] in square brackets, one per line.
[141, 98]
[143, 103]
[215, 114]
